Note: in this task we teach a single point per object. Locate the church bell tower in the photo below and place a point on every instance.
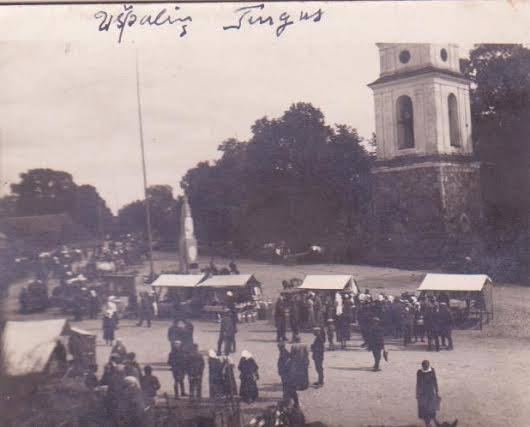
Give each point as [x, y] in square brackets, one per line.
[427, 183]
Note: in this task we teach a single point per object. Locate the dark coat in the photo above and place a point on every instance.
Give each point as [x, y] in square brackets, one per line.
[215, 376]
[150, 385]
[109, 326]
[427, 394]
[376, 338]
[299, 368]
[445, 319]
[177, 361]
[248, 370]
[317, 348]
[228, 327]
[283, 360]
[195, 365]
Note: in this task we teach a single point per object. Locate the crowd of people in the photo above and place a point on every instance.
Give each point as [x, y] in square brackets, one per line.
[331, 316]
[413, 319]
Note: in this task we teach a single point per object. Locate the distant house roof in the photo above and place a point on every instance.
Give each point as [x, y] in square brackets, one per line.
[329, 282]
[229, 281]
[58, 227]
[454, 282]
[177, 280]
[28, 345]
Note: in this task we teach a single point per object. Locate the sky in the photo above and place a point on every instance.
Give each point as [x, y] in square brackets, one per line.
[68, 96]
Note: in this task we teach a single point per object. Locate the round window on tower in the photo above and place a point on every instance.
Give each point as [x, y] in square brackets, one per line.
[443, 55]
[404, 56]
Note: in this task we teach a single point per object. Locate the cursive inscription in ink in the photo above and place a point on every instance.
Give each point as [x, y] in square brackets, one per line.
[129, 18]
[249, 16]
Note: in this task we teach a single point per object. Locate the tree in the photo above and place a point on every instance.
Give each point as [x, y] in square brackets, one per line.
[91, 211]
[164, 210]
[47, 191]
[44, 191]
[296, 179]
[500, 105]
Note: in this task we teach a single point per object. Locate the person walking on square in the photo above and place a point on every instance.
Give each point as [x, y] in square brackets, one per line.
[427, 393]
[446, 326]
[317, 350]
[109, 327]
[283, 365]
[215, 374]
[294, 318]
[150, 385]
[195, 370]
[291, 385]
[248, 374]
[376, 342]
[436, 326]
[227, 334]
[280, 319]
[177, 362]
[146, 309]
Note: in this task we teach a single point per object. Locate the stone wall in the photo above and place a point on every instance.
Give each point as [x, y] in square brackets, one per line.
[425, 214]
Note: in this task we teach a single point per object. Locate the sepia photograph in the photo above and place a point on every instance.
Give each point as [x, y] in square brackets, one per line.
[232, 214]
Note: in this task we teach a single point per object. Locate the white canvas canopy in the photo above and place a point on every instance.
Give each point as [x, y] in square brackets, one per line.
[329, 282]
[28, 345]
[177, 280]
[454, 282]
[229, 281]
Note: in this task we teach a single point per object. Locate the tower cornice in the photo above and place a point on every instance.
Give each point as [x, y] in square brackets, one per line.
[418, 73]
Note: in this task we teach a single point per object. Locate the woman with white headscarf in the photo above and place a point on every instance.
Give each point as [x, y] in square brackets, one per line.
[215, 374]
[248, 374]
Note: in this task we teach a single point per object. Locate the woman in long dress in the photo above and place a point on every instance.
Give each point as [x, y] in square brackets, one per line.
[248, 370]
[427, 393]
[109, 326]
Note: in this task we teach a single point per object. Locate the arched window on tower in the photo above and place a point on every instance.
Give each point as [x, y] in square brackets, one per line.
[454, 122]
[405, 122]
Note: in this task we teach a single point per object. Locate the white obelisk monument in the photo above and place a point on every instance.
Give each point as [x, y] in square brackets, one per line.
[187, 241]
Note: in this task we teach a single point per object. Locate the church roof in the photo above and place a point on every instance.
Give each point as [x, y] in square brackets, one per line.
[418, 72]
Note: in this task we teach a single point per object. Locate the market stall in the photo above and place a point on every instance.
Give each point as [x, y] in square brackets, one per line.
[469, 295]
[241, 290]
[330, 282]
[174, 292]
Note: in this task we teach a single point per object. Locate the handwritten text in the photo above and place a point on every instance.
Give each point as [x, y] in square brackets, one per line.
[128, 18]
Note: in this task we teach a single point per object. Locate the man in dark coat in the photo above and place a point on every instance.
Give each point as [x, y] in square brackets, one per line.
[363, 318]
[446, 326]
[177, 362]
[146, 310]
[317, 350]
[173, 333]
[280, 319]
[436, 319]
[290, 387]
[227, 333]
[294, 318]
[376, 342]
[195, 370]
[283, 365]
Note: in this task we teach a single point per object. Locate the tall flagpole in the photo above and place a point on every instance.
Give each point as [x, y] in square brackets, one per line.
[147, 210]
